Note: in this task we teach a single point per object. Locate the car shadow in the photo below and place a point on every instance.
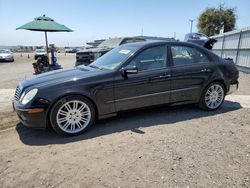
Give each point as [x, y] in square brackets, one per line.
[133, 120]
[5, 62]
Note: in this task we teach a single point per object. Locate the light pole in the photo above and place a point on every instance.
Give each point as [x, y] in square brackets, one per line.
[191, 26]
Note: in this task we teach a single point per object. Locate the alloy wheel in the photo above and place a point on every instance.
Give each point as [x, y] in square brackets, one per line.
[73, 116]
[214, 96]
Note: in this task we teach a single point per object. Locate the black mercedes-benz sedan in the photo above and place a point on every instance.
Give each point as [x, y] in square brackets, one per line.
[130, 76]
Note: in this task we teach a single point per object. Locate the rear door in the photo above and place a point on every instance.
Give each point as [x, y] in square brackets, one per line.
[190, 72]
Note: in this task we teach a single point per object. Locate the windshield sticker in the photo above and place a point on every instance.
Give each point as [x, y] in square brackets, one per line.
[124, 51]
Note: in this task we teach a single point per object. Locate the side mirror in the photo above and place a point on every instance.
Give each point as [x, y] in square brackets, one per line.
[129, 70]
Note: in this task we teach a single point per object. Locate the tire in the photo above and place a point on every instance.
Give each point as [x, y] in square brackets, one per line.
[212, 97]
[72, 115]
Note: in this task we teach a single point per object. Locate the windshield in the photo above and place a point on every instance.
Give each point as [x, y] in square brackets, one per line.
[40, 50]
[114, 58]
[4, 52]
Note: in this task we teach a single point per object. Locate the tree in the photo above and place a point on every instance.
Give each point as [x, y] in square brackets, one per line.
[212, 20]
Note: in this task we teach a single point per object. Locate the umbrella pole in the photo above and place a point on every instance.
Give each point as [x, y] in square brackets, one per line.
[46, 39]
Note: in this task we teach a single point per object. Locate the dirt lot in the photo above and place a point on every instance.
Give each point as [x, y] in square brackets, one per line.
[12, 74]
[161, 147]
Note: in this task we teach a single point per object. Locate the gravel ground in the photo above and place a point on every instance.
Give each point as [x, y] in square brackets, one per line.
[160, 147]
[12, 74]
[21, 68]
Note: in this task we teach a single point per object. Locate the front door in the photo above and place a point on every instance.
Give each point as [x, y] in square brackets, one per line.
[150, 86]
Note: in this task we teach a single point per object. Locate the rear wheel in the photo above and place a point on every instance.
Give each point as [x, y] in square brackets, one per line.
[72, 115]
[213, 96]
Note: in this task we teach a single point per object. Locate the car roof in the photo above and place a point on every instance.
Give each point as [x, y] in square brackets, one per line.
[149, 43]
[159, 42]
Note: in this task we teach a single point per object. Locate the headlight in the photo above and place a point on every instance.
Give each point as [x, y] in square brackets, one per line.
[29, 96]
[21, 98]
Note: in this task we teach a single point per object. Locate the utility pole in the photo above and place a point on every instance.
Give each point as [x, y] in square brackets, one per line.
[191, 26]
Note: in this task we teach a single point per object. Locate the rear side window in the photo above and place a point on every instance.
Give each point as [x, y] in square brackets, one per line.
[184, 55]
[151, 58]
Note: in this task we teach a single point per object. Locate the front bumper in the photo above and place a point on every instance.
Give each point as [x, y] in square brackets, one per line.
[36, 120]
[6, 59]
[233, 87]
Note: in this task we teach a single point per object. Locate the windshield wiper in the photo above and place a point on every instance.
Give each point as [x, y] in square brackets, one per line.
[95, 67]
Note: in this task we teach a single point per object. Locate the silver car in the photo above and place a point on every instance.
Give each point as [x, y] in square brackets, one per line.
[6, 55]
[39, 53]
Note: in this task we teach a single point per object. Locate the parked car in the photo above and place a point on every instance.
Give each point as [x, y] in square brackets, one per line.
[200, 39]
[87, 56]
[130, 76]
[39, 53]
[71, 50]
[6, 55]
[74, 50]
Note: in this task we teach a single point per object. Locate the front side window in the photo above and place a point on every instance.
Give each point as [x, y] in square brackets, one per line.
[183, 55]
[151, 58]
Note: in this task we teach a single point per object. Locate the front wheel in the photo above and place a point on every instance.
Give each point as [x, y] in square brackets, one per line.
[213, 96]
[72, 115]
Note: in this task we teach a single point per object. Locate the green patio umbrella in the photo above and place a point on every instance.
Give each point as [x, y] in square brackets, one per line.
[46, 24]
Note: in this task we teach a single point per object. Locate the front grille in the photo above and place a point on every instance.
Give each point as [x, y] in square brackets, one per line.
[18, 93]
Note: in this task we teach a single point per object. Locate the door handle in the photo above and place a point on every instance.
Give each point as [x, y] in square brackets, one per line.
[160, 77]
[165, 76]
[206, 70]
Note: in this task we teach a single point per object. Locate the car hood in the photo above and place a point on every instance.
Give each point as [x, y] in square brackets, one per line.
[59, 76]
[40, 53]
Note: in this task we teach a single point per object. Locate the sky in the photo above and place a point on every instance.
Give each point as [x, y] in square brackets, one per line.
[97, 19]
